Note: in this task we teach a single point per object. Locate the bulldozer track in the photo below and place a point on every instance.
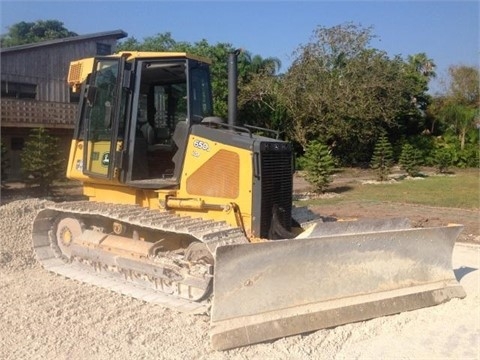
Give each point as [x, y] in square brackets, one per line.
[211, 233]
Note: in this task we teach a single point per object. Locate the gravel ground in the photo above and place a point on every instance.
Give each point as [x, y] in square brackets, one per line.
[45, 316]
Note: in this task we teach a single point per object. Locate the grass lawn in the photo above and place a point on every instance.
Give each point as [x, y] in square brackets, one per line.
[458, 190]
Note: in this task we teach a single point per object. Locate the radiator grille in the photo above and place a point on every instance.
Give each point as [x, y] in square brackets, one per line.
[218, 177]
[276, 182]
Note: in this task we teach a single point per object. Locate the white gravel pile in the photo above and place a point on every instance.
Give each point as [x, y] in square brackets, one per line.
[44, 316]
[16, 219]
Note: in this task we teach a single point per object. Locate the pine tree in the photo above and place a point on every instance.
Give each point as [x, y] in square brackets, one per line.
[410, 160]
[4, 162]
[382, 159]
[319, 165]
[443, 160]
[41, 163]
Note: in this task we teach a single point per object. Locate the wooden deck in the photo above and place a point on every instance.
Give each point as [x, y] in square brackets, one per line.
[32, 113]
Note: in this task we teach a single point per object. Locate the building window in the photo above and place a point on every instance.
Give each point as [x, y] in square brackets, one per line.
[17, 143]
[104, 49]
[18, 90]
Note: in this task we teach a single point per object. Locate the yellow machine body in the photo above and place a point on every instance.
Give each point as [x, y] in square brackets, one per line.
[194, 213]
[216, 183]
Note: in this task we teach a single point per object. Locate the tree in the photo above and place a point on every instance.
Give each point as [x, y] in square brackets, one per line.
[457, 117]
[410, 160]
[344, 93]
[257, 64]
[319, 165]
[382, 159]
[158, 42]
[422, 65]
[433, 115]
[461, 118]
[443, 160]
[257, 97]
[41, 163]
[32, 32]
[4, 162]
[461, 107]
[259, 103]
[464, 85]
[418, 70]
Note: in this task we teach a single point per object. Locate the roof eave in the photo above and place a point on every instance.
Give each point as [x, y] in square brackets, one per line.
[117, 34]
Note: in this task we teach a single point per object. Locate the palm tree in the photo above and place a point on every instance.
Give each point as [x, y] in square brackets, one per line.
[270, 65]
[423, 65]
[256, 64]
[461, 118]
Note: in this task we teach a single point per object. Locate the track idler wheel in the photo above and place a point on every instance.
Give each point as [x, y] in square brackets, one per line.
[67, 230]
[198, 252]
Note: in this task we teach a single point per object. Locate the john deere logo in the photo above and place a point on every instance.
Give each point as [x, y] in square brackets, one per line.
[105, 159]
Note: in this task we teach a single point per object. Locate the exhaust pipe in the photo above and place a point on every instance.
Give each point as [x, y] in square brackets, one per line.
[232, 86]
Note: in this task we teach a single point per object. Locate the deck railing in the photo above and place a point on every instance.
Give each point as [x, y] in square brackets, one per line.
[32, 113]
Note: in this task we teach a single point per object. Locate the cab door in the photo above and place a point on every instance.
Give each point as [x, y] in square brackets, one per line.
[105, 118]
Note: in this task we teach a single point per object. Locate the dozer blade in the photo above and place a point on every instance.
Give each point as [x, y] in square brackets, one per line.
[270, 290]
[319, 228]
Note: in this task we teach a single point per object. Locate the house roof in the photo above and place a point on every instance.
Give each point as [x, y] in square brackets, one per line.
[117, 34]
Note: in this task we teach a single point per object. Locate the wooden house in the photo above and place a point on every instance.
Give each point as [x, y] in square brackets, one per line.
[35, 92]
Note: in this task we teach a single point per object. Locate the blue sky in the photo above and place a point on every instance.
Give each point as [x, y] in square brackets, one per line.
[448, 31]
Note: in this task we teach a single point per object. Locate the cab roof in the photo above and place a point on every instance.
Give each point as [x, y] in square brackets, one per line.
[133, 55]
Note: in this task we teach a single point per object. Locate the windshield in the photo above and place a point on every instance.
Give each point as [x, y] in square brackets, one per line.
[201, 99]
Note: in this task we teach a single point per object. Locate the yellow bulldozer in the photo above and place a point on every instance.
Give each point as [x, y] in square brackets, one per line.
[195, 213]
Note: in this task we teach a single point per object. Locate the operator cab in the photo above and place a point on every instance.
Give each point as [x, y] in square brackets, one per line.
[140, 106]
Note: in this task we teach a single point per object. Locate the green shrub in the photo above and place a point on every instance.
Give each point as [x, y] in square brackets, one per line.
[410, 160]
[382, 159]
[319, 165]
[468, 157]
[41, 163]
[300, 163]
